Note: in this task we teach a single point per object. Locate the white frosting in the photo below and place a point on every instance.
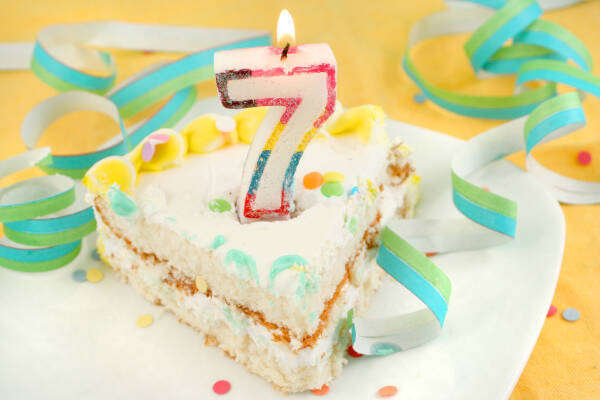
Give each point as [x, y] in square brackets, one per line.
[178, 199]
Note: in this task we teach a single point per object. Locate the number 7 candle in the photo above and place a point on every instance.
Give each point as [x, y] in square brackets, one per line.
[299, 85]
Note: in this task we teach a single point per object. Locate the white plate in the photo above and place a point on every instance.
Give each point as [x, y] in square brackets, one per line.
[65, 340]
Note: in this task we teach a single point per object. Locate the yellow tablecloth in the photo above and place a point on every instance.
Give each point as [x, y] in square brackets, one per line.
[368, 38]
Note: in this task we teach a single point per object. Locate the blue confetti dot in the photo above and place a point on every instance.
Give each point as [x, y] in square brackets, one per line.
[95, 255]
[353, 190]
[79, 275]
[420, 98]
[570, 314]
[383, 349]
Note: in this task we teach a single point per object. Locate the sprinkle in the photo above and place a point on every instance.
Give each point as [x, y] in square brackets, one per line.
[419, 98]
[431, 254]
[148, 151]
[333, 176]
[218, 241]
[353, 191]
[551, 311]
[584, 157]
[570, 314]
[312, 180]
[219, 205]
[94, 275]
[387, 391]
[221, 387]
[79, 275]
[144, 320]
[321, 392]
[201, 284]
[330, 189]
[353, 353]
[352, 225]
[95, 255]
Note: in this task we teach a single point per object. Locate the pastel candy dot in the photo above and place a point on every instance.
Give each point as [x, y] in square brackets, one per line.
[571, 314]
[219, 205]
[95, 255]
[148, 151]
[144, 320]
[333, 176]
[218, 241]
[79, 275]
[330, 189]
[353, 190]
[121, 203]
[387, 391]
[201, 285]
[94, 275]
[221, 387]
[419, 98]
[551, 311]
[322, 391]
[312, 180]
[584, 157]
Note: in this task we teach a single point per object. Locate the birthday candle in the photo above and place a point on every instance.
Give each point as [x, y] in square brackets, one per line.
[299, 83]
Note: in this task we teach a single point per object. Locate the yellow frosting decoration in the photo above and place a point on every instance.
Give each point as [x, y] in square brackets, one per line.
[202, 136]
[248, 122]
[357, 120]
[113, 170]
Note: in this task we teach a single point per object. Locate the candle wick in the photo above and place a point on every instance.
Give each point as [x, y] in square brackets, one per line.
[284, 53]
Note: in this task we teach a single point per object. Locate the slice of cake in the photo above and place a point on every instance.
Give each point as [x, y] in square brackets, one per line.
[277, 296]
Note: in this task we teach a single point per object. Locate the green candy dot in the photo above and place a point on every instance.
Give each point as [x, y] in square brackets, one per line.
[219, 205]
[330, 189]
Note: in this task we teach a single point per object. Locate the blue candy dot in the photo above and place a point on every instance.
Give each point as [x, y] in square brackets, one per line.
[79, 275]
[419, 98]
[383, 349]
[571, 314]
[353, 190]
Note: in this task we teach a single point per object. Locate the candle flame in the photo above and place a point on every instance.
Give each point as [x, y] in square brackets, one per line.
[286, 33]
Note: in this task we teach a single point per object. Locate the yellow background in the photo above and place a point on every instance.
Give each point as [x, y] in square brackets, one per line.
[368, 39]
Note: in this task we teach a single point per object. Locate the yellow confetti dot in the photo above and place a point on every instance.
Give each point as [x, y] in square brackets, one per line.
[333, 176]
[144, 320]
[201, 285]
[94, 275]
[416, 178]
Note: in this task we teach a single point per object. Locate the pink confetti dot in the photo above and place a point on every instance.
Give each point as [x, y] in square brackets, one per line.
[584, 157]
[221, 387]
[551, 311]
[354, 353]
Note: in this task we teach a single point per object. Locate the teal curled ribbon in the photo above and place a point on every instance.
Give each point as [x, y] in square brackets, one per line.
[45, 233]
[538, 50]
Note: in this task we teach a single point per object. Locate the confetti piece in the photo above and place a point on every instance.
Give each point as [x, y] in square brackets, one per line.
[584, 157]
[387, 391]
[487, 189]
[419, 98]
[201, 285]
[321, 392]
[95, 255]
[353, 353]
[312, 180]
[330, 189]
[353, 191]
[79, 275]
[551, 311]
[144, 320]
[221, 387]
[570, 314]
[219, 205]
[430, 254]
[94, 275]
[333, 176]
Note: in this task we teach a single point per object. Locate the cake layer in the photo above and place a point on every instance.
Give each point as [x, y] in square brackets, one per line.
[240, 332]
[286, 269]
